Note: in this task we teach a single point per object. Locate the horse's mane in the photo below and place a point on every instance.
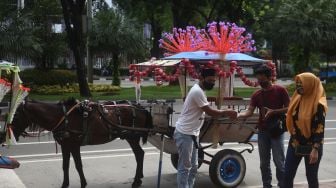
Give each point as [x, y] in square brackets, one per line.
[69, 102]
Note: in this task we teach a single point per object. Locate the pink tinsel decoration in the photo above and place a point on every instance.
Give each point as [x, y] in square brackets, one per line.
[227, 38]
[181, 41]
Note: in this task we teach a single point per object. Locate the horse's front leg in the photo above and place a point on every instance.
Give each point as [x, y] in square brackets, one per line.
[139, 157]
[78, 163]
[66, 160]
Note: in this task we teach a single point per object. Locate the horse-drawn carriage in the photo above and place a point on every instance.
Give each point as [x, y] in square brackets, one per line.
[227, 167]
[76, 123]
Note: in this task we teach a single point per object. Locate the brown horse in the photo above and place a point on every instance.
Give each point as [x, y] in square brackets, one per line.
[74, 124]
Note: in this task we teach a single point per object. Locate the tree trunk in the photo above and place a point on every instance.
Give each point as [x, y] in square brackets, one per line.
[306, 57]
[180, 15]
[156, 30]
[116, 73]
[72, 12]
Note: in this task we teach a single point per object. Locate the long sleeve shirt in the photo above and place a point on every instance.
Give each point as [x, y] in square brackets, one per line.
[317, 129]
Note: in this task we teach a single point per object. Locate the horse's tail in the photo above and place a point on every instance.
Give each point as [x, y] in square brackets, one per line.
[148, 124]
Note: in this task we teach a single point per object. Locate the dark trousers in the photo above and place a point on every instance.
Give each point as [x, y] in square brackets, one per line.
[266, 146]
[291, 164]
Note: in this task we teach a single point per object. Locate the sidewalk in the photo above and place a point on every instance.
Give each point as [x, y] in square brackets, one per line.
[237, 82]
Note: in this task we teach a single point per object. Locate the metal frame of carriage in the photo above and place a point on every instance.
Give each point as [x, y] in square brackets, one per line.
[227, 167]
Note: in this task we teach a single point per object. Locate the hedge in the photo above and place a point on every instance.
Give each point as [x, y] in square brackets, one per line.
[331, 87]
[73, 88]
[61, 77]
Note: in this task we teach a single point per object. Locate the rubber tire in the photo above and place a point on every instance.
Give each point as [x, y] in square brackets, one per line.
[233, 158]
[174, 158]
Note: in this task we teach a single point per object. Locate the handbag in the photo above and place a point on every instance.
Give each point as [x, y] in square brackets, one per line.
[303, 150]
[275, 125]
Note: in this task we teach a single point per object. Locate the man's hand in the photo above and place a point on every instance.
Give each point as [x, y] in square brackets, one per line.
[241, 116]
[231, 114]
[269, 112]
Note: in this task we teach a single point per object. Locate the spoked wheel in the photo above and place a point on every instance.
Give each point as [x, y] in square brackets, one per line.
[174, 158]
[227, 168]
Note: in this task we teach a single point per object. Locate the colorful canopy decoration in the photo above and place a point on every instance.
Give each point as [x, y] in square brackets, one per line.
[220, 46]
[19, 92]
[207, 56]
[182, 40]
[228, 38]
[160, 63]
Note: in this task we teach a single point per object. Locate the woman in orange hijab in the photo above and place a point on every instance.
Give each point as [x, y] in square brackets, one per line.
[305, 123]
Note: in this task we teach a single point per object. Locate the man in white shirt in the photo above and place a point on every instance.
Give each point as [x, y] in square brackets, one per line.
[189, 124]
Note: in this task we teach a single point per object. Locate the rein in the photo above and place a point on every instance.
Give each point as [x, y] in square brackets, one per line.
[65, 115]
[128, 128]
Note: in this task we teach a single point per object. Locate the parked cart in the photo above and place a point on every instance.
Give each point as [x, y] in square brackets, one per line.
[227, 167]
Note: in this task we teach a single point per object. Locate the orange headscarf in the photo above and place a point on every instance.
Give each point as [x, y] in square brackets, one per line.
[313, 94]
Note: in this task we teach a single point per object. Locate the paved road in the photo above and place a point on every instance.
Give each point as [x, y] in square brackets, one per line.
[237, 82]
[112, 165]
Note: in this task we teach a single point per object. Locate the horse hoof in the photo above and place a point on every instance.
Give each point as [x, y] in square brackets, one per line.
[65, 186]
[83, 185]
[136, 183]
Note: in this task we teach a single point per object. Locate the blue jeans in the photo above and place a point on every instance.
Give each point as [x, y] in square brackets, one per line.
[292, 163]
[188, 160]
[266, 144]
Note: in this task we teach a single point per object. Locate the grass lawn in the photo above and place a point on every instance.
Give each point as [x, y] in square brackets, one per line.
[149, 92]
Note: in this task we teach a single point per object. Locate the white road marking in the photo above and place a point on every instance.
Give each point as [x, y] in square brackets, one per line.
[32, 143]
[53, 142]
[82, 152]
[9, 179]
[120, 155]
[84, 158]
[296, 183]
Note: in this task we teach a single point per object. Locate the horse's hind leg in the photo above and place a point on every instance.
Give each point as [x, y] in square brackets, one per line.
[66, 160]
[139, 157]
[78, 163]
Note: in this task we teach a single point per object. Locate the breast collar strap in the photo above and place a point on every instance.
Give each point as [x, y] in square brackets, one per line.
[66, 114]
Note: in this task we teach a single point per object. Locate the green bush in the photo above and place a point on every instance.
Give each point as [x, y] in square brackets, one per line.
[124, 71]
[58, 89]
[332, 80]
[61, 77]
[330, 87]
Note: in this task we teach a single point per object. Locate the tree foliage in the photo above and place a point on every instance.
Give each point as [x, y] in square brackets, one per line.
[308, 25]
[163, 15]
[115, 34]
[45, 14]
[17, 33]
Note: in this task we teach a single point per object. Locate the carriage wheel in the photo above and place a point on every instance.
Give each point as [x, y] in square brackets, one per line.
[227, 168]
[174, 158]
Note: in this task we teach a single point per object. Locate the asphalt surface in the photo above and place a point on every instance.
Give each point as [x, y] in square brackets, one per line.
[237, 82]
[112, 165]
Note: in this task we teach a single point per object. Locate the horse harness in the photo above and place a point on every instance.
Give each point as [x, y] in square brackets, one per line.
[62, 131]
[122, 130]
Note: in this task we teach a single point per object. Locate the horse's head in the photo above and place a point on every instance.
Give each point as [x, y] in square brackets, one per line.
[20, 121]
